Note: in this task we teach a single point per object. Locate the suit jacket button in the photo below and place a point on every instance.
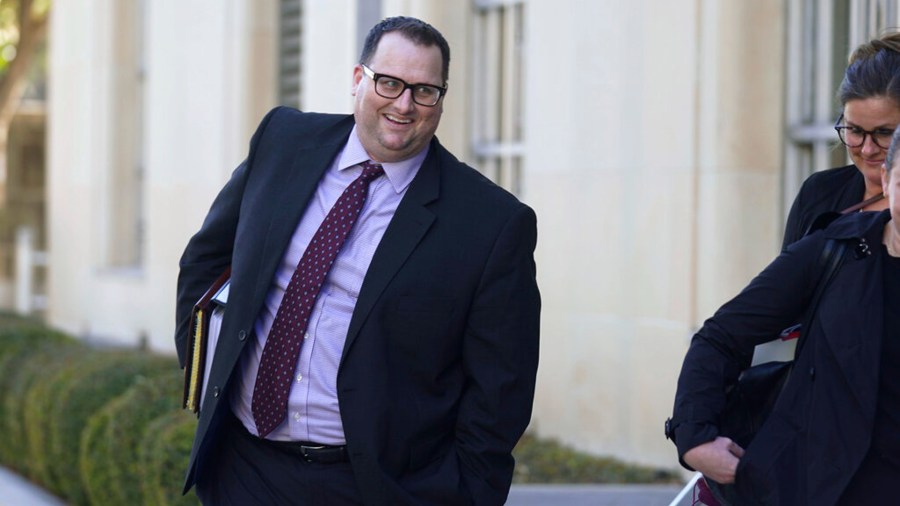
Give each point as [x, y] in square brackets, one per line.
[242, 335]
[216, 392]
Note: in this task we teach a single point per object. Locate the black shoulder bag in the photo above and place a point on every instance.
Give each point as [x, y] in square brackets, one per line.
[749, 401]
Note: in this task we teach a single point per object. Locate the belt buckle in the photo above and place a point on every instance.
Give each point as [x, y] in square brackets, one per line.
[305, 451]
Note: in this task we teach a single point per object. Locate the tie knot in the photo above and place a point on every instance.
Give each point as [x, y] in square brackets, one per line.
[371, 170]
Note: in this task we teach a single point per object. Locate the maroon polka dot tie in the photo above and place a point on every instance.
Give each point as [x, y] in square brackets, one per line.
[279, 357]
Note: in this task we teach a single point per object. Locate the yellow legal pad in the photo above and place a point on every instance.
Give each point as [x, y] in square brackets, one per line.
[198, 340]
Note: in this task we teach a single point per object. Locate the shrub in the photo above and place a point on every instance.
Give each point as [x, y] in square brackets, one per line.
[104, 427]
[547, 461]
[163, 457]
[36, 401]
[83, 391]
[28, 354]
[73, 419]
[109, 466]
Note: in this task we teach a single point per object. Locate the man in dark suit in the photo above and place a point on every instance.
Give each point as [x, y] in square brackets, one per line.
[411, 368]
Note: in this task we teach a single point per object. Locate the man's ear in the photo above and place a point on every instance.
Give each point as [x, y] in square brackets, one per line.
[357, 78]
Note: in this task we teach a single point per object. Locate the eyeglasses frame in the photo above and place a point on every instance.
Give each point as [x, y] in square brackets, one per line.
[375, 76]
[838, 127]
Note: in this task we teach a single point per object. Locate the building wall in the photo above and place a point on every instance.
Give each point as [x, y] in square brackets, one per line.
[652, 159]
[653, 164]
[207, 81]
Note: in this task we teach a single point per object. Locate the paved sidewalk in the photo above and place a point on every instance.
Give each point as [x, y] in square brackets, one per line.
[17, 491]
[594, 495]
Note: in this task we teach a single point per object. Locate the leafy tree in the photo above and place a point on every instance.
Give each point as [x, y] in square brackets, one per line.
[23, 29]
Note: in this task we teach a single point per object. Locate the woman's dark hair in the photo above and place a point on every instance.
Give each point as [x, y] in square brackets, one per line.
[416, 30]
[873, 71]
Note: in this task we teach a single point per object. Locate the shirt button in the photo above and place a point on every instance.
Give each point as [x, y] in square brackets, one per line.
[306, 336]
[297, 416]
[299, 377]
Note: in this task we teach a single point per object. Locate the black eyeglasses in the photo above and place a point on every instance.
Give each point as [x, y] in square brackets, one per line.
[392, 87]
[854, 136]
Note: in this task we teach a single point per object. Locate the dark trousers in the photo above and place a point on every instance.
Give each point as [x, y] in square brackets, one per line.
[245, 471]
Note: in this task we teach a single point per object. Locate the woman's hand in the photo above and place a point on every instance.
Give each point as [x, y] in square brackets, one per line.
[717, 459]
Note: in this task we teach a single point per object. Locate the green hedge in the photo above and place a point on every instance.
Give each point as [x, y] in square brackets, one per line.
[85, 391]
[104, 427]
[91, 425]
[27, 354]
[36, 399]
[548, 461]
[162, 457]
[119, 429]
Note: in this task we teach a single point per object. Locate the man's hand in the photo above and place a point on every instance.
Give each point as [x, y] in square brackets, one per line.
[717, 459]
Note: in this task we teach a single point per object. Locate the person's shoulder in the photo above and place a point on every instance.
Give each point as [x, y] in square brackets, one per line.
[285, 126]
[826, 180]
[283, 116]
[857, 225]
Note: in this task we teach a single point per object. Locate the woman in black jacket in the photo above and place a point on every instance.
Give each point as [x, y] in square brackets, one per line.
[870, 98]
[834, 434]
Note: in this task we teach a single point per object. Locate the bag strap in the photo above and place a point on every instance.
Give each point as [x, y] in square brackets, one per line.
[824, 219]
[831, 259]
[864, 203]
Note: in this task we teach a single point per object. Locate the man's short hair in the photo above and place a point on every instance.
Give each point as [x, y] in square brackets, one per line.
[416, 30]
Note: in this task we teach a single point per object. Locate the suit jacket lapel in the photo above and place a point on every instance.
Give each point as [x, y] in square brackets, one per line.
[410, 223]
[290, 202]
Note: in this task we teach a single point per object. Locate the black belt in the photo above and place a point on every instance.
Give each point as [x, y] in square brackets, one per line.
[310, 452]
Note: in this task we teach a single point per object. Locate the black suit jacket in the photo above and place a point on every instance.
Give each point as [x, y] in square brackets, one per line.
[831, 190]
[437, 376]
[821, 426]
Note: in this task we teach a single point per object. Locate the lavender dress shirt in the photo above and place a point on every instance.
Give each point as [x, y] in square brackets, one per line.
[313, 410]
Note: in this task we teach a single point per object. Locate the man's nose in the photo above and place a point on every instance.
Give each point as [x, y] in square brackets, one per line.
[405, 101]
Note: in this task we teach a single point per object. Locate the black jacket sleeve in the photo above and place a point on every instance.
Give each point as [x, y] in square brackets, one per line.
[208, 252]
[723, 347]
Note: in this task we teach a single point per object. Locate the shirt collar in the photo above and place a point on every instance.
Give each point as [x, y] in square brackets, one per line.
[400, 174]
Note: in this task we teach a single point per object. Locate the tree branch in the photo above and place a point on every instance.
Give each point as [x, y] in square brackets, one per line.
[12, 84]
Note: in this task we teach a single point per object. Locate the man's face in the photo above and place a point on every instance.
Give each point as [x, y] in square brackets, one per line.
[394, 129]
[890, 185]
